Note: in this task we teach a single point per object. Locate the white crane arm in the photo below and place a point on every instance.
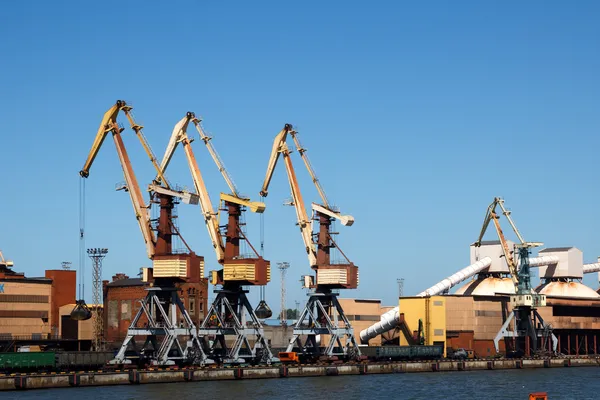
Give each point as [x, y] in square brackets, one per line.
[346, 220]
[179, 135]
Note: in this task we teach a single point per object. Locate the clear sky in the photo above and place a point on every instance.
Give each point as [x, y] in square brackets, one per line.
[415, 115]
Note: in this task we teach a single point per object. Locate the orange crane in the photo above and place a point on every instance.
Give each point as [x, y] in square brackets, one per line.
[323, 313]
[231, 303]
[162, 304]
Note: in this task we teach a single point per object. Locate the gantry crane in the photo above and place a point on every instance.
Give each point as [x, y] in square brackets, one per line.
[227, 314]
[157, 318]
[323, 312]
[528, 325]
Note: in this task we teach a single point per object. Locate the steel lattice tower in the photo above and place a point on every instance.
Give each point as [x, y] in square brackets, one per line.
[97, 255]
[283, 266]
[400, 282]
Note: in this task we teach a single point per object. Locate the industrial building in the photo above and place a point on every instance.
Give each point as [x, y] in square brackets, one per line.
[473, 316]
[79, 330]
[29, 306]
[361, 314]
[122, 298]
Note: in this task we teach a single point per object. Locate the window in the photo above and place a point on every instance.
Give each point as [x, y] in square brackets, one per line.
[192, 307]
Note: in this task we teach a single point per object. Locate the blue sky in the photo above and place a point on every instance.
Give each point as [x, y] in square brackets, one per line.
[415, 114]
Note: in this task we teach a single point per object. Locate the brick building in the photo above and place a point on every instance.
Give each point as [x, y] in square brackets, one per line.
[64, 285]
[121, 303]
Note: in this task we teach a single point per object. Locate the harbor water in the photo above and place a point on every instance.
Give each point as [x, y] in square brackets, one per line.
[559, 383]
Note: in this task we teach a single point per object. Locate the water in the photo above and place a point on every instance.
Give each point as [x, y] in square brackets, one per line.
[560, 383]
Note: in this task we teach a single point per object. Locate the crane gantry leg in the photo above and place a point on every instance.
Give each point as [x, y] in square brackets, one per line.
[227, 318]
[159, 309]
[323, 315]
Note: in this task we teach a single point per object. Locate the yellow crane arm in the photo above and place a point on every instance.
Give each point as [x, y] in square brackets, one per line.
[109, 124]
[280, 147]
[235, 197]
[179, 135]
[510, 221]
[138, 132]
[110, 116]
[213, 153]
[254, 206]
[174, 141]
[278, 144]
[310, 169]
[486, 222]
[346, 220]
[302, 216]
[510, 261]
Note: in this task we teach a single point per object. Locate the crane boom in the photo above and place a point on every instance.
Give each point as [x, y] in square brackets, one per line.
[278, 143]
[310, 169]
[179, 135]
[109, 117]
[280, 147]
[213, 153]
[109, 124]
[510, 261]
[138, 132]
[301, 215]
[491, 215]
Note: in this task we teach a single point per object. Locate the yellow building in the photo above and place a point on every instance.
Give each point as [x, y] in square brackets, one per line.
[430, 313]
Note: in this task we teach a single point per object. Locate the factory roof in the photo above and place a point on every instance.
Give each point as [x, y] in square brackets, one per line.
[22, 279]
[127, 282]
[555, 249]
[489, 242]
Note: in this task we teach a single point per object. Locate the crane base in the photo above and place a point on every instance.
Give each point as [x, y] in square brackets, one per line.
[315, 321]
[163, 344]
[227, 318]
[526, 319]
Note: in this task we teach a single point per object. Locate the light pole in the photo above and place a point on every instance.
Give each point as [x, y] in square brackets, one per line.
[97, 255]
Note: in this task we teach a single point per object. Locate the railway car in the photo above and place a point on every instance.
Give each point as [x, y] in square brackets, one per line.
[53, 361]
[70, 360]
[27, 361]
[398, 353]
[377, 353]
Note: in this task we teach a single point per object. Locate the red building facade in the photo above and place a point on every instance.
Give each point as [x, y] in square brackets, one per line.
[122, 302]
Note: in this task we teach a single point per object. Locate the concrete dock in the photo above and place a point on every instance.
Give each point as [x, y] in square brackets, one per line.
[135, 377]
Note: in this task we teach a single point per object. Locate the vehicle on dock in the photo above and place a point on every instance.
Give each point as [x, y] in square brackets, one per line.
[462, 354]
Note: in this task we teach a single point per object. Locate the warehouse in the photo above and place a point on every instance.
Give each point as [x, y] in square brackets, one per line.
[29, 306]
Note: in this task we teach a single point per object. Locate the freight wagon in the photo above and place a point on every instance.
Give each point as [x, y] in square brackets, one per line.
[53, 361]
[395, 353]
[374, 353]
